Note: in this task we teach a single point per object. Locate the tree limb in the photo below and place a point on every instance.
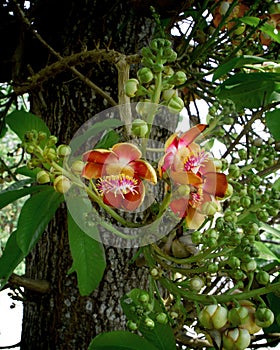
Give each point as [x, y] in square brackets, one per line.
[39, 286]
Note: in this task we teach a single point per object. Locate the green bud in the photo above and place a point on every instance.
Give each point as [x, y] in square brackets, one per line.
[262, 277]
[209, 208]
[139, 128]
[264, 317]
[158, 67]
[196, 237]
[43, 177]
[245, 201]
[213, 316]
[29, 149]
[144, 297]
[42, 136]
[234, 171]
[236, 339]
[132, 326]
[179, 78]
[50, 154]
[234, 262]
[52, 141]
[77, 167]
[175, 104]
[155, 273]
[145, 75]
[63, 151]
[196, 283]
[168, 94]
[162, 318]
[237, 316]
[147, 53]
[249, 266]
[212, 268]
[62, 184]
[149, 323]
[262, 215]
[131, 87]
[147, 62]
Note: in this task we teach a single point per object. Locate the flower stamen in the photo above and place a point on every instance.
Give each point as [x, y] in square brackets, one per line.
[118, 184]
[194, 162]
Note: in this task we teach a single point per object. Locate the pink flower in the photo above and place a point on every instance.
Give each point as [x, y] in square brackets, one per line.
[119, 173]
[187, 164]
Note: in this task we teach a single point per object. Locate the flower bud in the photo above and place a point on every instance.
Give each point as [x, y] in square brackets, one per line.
[50, 154]
[62, 184]
[149, 323]
[162, 318]
[139, 128]
[196, 283]
[179, 78]
[144, 297]
[145, 75]
[262, 277]
[234, 171]
[52, 141]
[42, 136]
[77, 167]
[168, 94]
[131, 87]
[236, 339]
[29, 149]
[179, 250]
[249, 266]
[132, 326]
[43, 177]
[63, 151]
[213, 316]
[264, 317]
[209, 208]
[175, 104]
[238, 315]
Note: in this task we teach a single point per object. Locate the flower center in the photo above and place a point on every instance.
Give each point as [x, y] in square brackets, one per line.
[193, 162]
[195, 198]
[118, 184]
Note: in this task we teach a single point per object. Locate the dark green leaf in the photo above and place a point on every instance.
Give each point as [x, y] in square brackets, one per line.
[21, 122]
[88, 257]
[161, 335]
[273, 123]
[121, 340]
[266, 28]
[9, 195]
[94, 130]
[108, 140]
[9, 260]
[251, 90]
[236, 62]
[24, 170]
[276, 184]
[35, 214]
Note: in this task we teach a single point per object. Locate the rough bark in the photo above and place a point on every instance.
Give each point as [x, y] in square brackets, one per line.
[62, 318]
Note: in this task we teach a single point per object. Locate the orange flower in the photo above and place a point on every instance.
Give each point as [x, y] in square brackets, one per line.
[119, 173]
[194, 176]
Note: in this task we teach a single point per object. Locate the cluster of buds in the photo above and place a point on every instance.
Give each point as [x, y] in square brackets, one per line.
[45, 155]
[154, 62]
[235, 325]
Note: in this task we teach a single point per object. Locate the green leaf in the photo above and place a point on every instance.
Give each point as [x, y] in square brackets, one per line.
[274, 305]
[21, 122]
[270, 229]
[276, 184]
[9, 260]
[236, 62]
[24, 170]
[93, 130]
[272, 120]
[266, 28]
[10, 195]
[35, 214]
[120, 340]
[88, 257]
[264, 252]
[250, 90]
[108, 140]
[161, 335]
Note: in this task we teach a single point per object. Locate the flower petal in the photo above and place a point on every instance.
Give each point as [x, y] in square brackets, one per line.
[92, 171]
[190, 135]
[113, 199]
[179, 206]
[185, 178]
[216, 184]
[126, 152]
[133, 200]
[144, 170]
[99, 156]
[194, 218]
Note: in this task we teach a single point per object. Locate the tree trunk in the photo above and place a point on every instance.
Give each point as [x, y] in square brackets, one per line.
[62, 319]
